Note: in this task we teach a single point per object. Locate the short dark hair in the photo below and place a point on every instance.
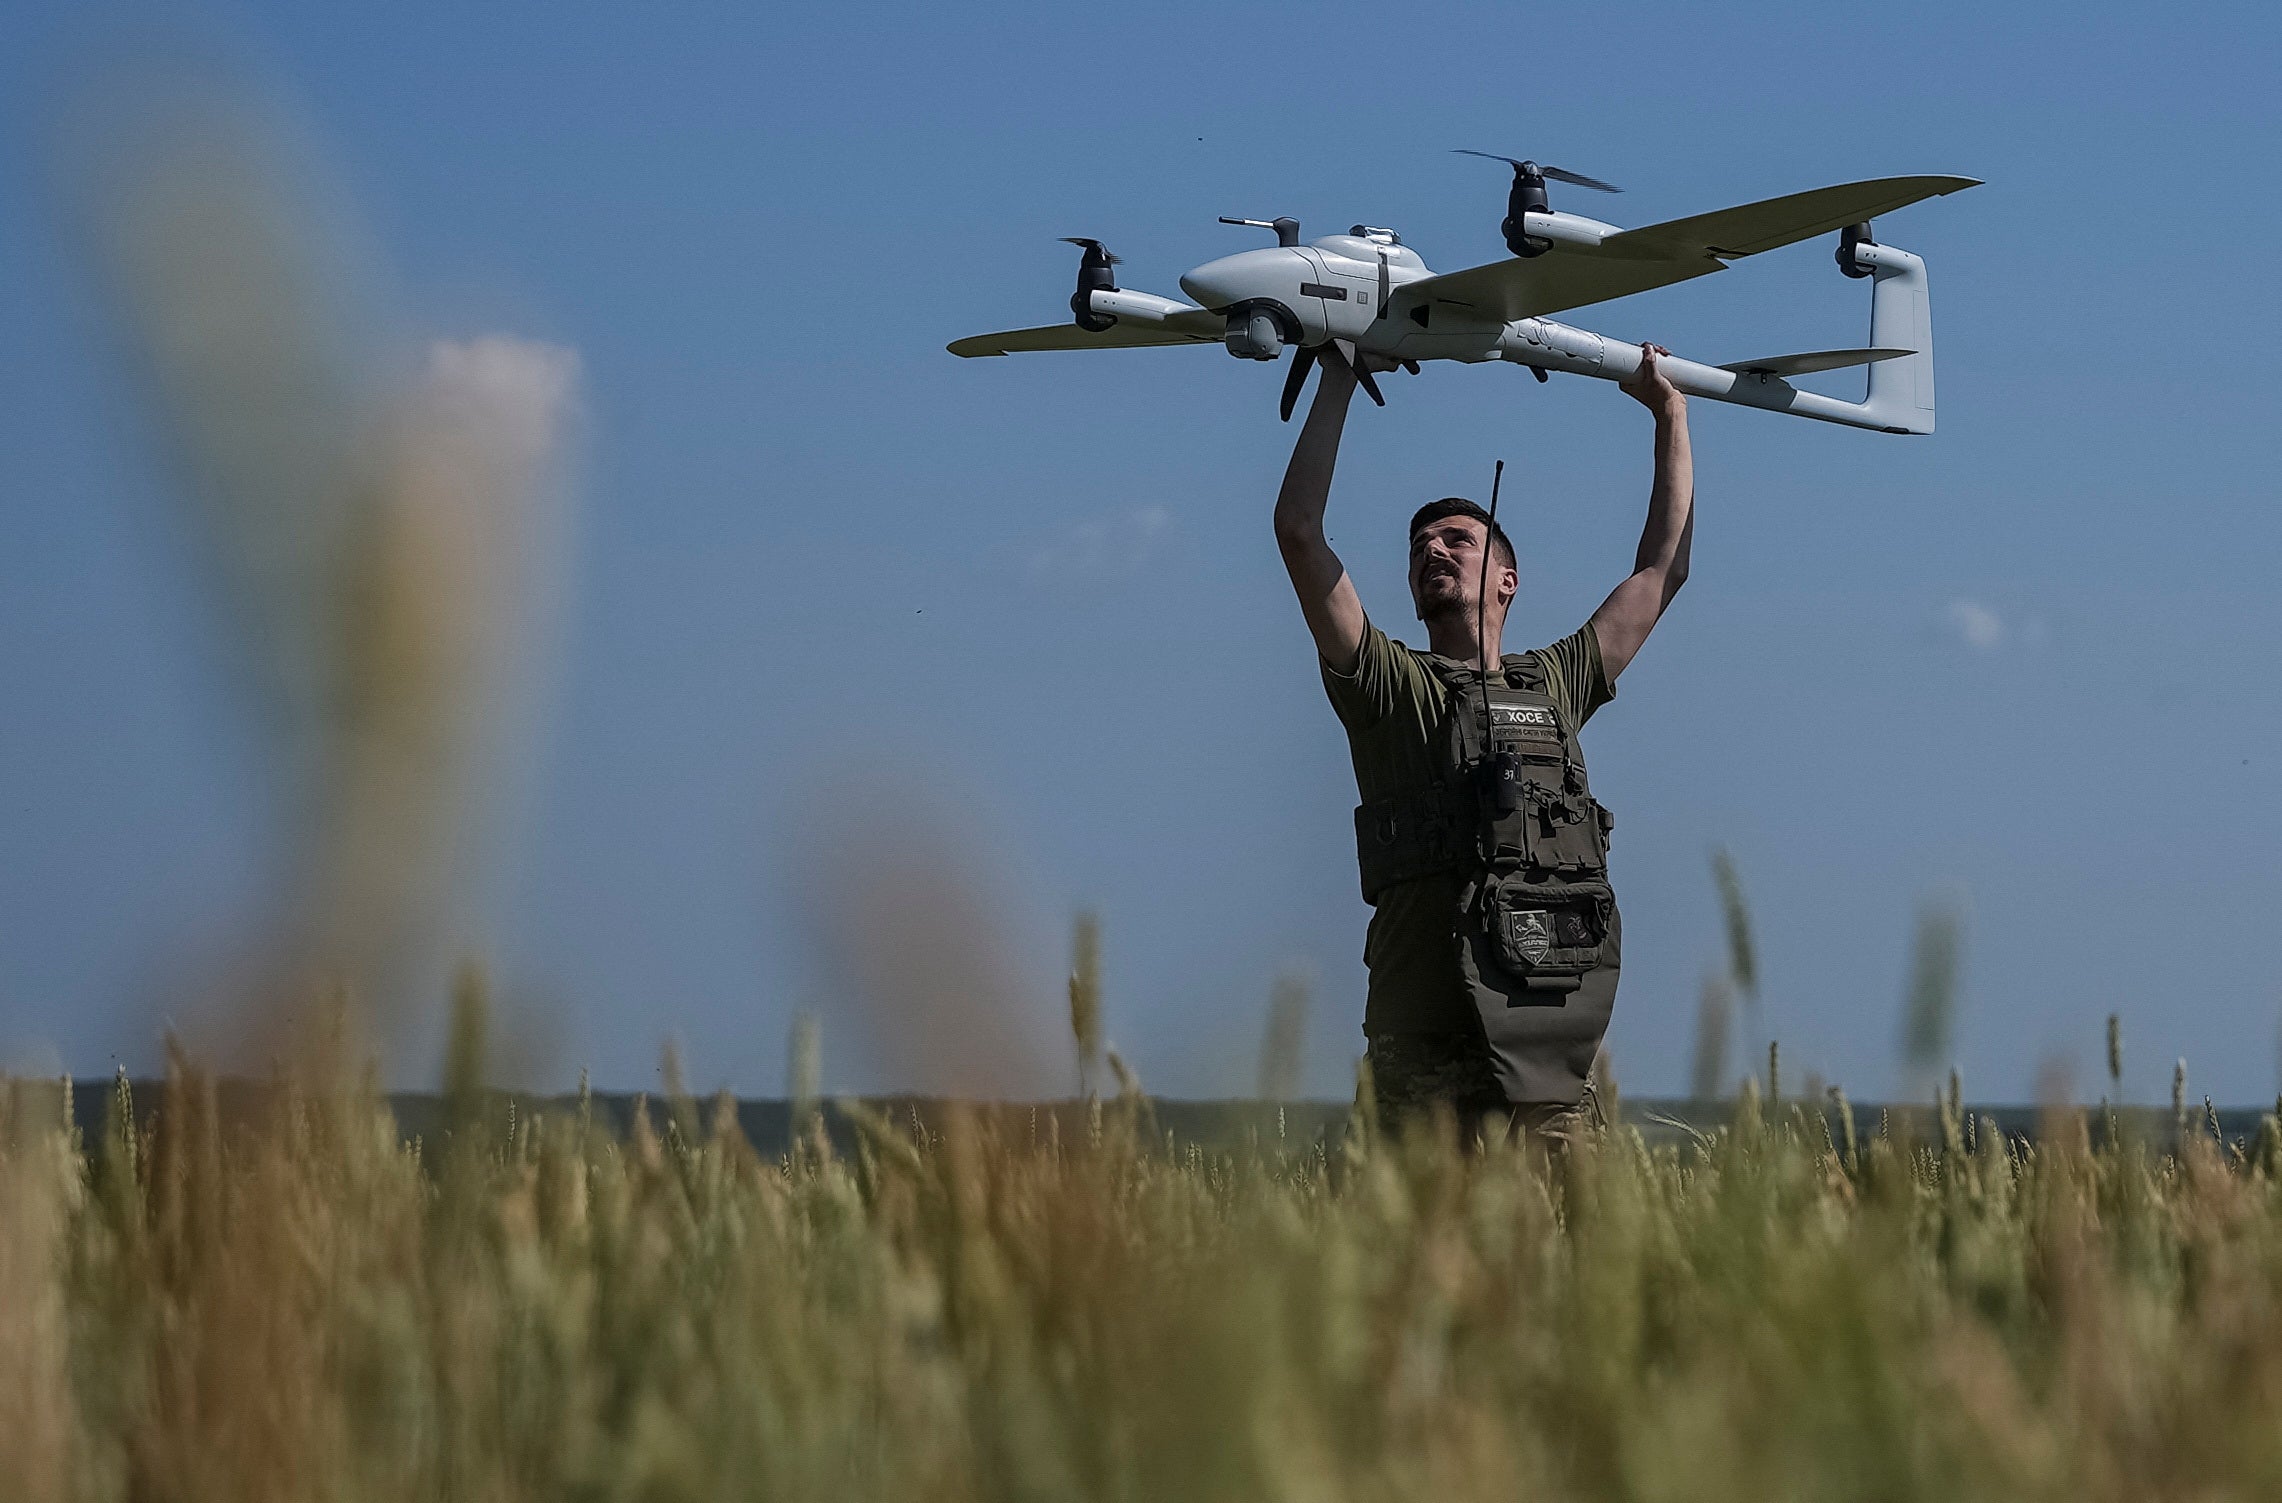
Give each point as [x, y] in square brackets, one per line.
[1459, 506]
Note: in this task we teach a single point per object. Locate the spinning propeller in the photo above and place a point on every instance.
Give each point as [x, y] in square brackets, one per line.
[1528, 197]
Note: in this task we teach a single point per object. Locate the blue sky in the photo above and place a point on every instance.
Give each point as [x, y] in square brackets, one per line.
[1029, 610]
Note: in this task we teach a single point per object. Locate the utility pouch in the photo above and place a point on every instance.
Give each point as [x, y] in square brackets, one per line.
[1567, 833]
[1401, 839]
[1547, 935]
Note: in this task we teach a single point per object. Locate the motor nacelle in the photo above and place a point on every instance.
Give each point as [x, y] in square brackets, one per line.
[1851, 239]
[1094, 275]
[1526, 197]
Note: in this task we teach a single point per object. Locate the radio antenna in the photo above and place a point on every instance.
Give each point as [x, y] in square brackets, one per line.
[1482, 595]
[1500, 770]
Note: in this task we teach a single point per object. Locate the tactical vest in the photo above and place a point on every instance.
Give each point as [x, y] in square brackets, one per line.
[1517, 819]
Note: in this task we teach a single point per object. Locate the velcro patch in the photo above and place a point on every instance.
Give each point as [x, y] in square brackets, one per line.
[1536, 722]
[1533, 934]
[1523, 715]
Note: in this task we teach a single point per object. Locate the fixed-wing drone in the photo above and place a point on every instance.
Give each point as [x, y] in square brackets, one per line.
[1365, 293]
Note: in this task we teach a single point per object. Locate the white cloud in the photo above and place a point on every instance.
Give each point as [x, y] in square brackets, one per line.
[520, 392]
[1113, 544]
[1980, 627]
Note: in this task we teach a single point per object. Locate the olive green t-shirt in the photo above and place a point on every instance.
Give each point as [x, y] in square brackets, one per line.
[1392, 706]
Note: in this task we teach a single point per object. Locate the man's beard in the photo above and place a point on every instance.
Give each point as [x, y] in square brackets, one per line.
[1442, 597]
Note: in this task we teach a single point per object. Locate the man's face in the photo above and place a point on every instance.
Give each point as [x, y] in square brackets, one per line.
[1446, 569]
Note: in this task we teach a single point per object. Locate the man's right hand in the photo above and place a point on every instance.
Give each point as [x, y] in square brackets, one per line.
[1343, 374]
[1336, 373]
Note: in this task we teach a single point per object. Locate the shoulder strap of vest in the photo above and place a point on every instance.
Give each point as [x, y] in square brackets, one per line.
[1524, 670]
[1521, 670]
[1454, 674]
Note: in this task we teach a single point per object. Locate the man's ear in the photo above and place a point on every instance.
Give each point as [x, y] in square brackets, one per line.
[1509, 585]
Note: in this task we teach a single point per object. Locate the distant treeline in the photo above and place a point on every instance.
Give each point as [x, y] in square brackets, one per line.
[768, 1124]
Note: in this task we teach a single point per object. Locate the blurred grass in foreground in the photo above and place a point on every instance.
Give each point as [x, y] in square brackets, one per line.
[528, 1306]
[380, 514]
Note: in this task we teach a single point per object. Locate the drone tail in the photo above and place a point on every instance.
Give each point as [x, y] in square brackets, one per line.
[1900, 398]
[1900, 353]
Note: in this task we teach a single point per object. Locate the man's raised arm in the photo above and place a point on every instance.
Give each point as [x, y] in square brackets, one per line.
[1625, 619]
[1327, 596]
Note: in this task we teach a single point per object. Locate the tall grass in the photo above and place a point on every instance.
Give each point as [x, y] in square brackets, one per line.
[300, 1305]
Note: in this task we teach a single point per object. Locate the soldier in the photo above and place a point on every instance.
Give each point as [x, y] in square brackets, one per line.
[1495, 943]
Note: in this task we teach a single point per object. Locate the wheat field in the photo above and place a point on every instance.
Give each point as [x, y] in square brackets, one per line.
[299, 1303]
[295, 1300]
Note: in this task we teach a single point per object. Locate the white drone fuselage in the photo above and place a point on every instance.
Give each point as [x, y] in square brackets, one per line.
[1331, 289]
[1366, 293]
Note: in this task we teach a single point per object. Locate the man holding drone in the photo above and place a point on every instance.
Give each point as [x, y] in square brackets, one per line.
[1494, 949]
[1495, 943]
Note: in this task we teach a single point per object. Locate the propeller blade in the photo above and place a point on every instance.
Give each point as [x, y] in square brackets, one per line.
[1532, 169]
[1087, 242]
[1563, 175]
[1295, 380]
[1363, 378]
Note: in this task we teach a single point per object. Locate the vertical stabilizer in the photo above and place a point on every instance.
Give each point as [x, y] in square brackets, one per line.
[1901, 318]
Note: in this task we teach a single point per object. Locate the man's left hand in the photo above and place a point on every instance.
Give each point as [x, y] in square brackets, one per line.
[1651, 388]
[1633, 608]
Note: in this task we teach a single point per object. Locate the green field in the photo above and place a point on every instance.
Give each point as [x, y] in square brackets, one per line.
[299, 1303]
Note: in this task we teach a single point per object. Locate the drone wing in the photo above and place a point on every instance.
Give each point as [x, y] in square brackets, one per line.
[1772, 222]
[1659, 255]
[1124, 336]
[1503, 291]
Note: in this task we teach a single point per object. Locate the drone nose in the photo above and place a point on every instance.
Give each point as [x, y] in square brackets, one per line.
[1213, 284]
[1237, 278]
